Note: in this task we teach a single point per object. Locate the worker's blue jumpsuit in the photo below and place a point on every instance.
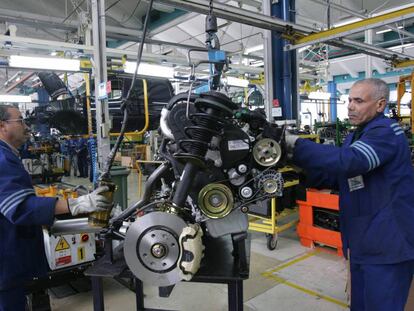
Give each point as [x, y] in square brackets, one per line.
[22, 254]
[375, 179]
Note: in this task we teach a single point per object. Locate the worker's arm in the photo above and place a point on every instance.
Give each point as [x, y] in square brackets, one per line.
[319, 179]
[375, 148]
[61, 207]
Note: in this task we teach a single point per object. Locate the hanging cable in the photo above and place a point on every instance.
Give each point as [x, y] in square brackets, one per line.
[110, 159]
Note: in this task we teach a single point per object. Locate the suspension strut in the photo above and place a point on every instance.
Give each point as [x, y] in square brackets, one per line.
[212, 110]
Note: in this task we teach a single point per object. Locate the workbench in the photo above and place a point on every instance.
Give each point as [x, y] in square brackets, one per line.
[218, 266]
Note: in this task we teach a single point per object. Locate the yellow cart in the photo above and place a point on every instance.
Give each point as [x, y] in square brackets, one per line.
[268, 225]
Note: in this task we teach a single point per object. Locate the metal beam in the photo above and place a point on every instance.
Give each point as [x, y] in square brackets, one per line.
[408, 63]
[379, 67]
[41, 21]
[381, 52]
[351, 72]
[362, 16]
[262, 21]
[236, 14]
[47, 45]
[356, 27]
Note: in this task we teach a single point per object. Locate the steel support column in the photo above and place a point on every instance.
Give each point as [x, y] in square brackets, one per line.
[333, 101]
[100, 73]
[284, 64]
[268, 65]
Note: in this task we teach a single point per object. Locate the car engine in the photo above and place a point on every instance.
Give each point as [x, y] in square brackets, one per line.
[217, 160]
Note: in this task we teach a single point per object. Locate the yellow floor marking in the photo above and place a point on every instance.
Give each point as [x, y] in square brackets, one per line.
[288, 264]
[269, 275]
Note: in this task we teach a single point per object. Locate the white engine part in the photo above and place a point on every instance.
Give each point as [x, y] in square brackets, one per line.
[69, 250]
[190, 240]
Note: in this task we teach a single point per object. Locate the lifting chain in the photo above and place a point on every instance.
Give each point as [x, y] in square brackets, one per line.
[210, 7]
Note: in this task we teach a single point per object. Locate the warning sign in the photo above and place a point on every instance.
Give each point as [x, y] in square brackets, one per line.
[61, 261]
[81, 253]
[62, 245]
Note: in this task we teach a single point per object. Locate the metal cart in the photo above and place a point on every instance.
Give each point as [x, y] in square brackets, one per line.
[268, 224]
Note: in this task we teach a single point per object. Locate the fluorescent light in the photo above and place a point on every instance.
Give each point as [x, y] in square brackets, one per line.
[304, 48]
[254, 49]
[344, 98]
[150, 70]
[49, 63]
[387, 30]
[257, 64]
[407, 45]
[232, 81]
[15, 99]
[319, 95]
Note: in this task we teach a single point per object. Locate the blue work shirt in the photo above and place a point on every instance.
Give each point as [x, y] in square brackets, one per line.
[22, 214]
[375, 179]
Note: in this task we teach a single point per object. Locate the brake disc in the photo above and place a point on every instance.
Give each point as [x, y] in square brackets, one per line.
[152, 248]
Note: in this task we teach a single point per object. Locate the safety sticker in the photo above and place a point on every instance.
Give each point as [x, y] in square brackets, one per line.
[64, 260]
[62, 245]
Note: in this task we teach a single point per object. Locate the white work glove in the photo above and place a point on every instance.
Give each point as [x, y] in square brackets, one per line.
[92, 202]
[290, 140]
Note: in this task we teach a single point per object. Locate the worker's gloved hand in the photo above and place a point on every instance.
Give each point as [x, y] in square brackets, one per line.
[92, 202]
[290, 140]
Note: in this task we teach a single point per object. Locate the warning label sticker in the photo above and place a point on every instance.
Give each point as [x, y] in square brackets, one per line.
[62, 245]
[63, 260]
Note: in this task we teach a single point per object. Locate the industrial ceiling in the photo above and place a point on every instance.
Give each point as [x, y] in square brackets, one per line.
[174, 30]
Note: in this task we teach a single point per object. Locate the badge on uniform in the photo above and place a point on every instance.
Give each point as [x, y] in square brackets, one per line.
[356, 183]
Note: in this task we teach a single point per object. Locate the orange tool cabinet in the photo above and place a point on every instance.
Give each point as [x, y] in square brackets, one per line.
[310, 234]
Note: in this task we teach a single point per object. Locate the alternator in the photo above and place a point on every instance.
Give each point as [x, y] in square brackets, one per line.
[271, 183]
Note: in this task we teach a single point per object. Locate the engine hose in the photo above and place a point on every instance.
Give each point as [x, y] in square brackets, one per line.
[149, 184]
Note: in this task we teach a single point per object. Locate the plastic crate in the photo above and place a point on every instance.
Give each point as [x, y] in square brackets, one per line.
[309, 234]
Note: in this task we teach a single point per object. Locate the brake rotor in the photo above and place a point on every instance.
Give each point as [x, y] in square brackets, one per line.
[215, 200]
[267, 152]
[152, 248]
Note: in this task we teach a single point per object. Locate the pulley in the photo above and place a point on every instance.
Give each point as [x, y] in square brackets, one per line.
[215, 200]
[267, 152]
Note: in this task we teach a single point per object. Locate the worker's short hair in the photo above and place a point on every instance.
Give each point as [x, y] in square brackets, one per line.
[4, 112]
[381, 88]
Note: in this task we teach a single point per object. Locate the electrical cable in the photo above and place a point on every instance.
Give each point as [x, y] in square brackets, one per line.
[110, 159]
[112, 5]
[132, 14]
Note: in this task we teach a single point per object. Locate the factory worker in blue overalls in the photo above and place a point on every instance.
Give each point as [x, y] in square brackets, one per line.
[373, 172]
[22, 214]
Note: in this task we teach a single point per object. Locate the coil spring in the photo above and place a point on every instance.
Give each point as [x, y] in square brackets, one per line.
[207, 122]
[92, 150]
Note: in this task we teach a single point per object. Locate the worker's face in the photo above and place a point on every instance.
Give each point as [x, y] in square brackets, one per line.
[14, 130]
[364, 104]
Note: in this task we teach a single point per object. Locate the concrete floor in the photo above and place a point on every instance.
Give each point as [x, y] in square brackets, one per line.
[291, 277]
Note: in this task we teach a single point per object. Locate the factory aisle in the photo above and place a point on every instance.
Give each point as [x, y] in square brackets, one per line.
[291, 277]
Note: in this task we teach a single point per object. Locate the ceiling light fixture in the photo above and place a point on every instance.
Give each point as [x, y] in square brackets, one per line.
[253, 49]
[47, 63]
[150, 70]
[319, 95]
[232, 81]
[387, 30]
[15, 99]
